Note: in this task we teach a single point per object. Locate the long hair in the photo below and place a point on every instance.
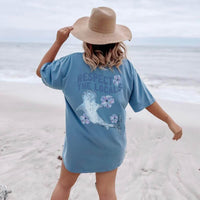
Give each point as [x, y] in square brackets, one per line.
[106, 55]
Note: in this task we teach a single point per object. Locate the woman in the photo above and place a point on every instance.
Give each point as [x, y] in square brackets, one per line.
[97, 85]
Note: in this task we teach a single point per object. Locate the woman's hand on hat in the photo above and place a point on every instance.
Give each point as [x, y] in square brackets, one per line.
[63, 34]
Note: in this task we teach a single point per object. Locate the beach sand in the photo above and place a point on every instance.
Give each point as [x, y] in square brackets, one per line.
[32, 131]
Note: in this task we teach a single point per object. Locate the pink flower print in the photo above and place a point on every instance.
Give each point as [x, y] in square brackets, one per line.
[107, 101]
[117, 80]
[84, 119]
[114, 118]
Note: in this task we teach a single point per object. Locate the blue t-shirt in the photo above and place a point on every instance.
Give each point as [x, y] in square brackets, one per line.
[95, 139]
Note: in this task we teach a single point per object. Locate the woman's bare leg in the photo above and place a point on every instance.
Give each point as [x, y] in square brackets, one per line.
[105, 185]
[66, 180]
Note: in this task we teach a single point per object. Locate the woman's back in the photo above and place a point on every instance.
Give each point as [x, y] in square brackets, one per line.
[95, 110]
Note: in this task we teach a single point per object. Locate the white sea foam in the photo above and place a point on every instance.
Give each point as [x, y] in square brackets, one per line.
[169, 72]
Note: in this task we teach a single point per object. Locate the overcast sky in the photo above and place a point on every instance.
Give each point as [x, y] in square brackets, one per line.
[38, 20]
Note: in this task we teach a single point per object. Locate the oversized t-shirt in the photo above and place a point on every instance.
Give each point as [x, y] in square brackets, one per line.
[95, 114]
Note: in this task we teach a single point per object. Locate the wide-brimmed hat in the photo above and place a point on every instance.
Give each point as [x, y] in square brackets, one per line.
[100, 27]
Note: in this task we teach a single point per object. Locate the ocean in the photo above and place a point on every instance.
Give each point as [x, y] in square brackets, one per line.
[170, 72]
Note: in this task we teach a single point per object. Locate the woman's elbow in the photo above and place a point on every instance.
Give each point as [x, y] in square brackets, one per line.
[38, 73]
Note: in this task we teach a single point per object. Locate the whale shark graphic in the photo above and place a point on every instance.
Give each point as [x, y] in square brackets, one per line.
[90, 107]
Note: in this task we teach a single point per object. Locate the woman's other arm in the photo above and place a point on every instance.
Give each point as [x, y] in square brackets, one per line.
[157, 111]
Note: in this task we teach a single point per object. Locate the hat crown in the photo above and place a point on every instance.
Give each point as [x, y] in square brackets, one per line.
[102, 20]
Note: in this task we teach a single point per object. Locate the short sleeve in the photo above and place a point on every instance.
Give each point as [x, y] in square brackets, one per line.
[53, 74]
[140, 97]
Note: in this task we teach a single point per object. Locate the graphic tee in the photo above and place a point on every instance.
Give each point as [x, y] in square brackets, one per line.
[95, 139]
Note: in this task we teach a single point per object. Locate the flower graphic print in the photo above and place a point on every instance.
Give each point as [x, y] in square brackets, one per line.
[114, 118]
[107, 101]
[84, 119]
[117, 80]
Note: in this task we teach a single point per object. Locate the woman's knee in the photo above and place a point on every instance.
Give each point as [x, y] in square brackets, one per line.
[65, 185]
[67, 179]
[106, 191]
[107, 195]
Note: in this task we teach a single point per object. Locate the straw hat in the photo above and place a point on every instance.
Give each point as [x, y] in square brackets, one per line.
[100, 27]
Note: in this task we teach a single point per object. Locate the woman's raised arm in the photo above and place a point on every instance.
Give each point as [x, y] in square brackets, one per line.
[62, 35]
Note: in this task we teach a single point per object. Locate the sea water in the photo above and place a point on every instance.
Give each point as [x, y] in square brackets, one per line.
[170, 72]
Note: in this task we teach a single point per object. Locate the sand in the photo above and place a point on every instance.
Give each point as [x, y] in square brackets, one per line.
[32, 131]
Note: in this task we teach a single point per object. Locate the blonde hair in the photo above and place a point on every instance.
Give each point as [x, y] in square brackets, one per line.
[104, 55]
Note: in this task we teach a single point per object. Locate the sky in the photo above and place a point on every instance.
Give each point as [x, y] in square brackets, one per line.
[169, 21]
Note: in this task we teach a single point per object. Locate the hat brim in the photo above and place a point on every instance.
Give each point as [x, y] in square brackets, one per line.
[82, 32]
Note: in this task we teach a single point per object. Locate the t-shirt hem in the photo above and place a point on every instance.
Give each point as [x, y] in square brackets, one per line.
[41, 73]
[141, 107]
[92, 171]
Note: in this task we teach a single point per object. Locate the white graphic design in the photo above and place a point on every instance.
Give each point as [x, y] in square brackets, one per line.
[90, 107]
